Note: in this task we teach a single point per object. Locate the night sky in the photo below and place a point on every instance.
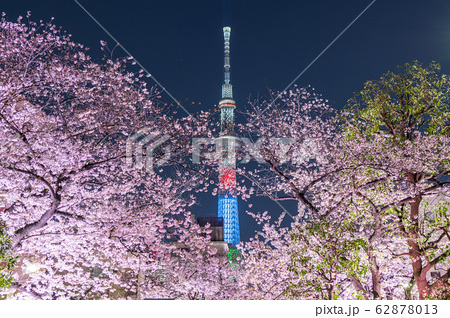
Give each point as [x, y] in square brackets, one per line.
[181, 44]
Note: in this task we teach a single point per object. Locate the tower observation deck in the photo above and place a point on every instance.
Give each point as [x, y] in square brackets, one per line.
[226, 144]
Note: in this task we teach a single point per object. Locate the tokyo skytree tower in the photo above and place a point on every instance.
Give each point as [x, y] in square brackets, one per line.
[226, 144]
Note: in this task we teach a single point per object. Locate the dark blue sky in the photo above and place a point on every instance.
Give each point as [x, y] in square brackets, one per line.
[181, 43]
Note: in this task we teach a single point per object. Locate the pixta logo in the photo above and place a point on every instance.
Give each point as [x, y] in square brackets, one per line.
[143, 144]
[282, 149]
[150, 140]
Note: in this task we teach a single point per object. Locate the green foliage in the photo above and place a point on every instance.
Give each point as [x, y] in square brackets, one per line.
[7, 261]
[416, 98]
[324, 250]
[233, 255]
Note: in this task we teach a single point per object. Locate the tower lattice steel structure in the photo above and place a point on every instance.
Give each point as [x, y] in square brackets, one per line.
[226, 144]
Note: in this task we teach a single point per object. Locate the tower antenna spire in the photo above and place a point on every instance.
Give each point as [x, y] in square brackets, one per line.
[226, 64]
[227, 88]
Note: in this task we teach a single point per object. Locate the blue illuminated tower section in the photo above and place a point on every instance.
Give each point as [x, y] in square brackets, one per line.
[226, 145]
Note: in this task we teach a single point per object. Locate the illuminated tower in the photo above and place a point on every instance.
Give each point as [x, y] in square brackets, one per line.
[226, 144]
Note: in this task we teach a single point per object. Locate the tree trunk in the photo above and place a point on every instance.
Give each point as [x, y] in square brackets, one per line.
[375, 269]
[24, 231]
[389, 292]
[359, 287]
[414, 250]
[376, 284]
[330, 290]
[408, 289]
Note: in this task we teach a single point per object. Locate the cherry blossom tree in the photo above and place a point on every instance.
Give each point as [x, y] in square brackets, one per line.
[264, 262]
[397, 133]
[300, 160]
[351, 181]
[83, 222]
